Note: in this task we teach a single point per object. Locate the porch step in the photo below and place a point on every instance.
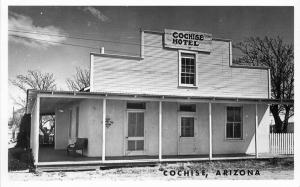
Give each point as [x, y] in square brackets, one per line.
[86, 167]
[68, 167]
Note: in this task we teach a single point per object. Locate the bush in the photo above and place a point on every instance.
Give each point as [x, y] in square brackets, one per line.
[23, 139]
[20, 159]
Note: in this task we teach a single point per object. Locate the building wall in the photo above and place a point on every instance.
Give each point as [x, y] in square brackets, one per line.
[90, 126]
[247, 144]
[61, 129]
[90, 121]
[157, 73]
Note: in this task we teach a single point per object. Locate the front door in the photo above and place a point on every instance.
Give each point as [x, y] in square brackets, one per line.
[187, 129]
[135, 133]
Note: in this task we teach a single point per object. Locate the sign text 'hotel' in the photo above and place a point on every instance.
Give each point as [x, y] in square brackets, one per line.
[188, 40]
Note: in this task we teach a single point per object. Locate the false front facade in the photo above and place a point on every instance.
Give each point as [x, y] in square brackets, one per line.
[180, 99]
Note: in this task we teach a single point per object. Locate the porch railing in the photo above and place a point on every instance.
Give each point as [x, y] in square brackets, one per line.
[281, 143]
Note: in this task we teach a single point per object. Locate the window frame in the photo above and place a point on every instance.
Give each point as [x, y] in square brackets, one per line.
[180, 52]
[242, 129]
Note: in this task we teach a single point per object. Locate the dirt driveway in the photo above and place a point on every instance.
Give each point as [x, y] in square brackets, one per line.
[282, 168]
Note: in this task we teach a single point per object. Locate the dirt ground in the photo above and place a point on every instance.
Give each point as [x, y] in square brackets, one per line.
[229, 170]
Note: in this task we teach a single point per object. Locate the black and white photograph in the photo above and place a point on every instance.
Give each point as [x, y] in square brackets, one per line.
[139, 92]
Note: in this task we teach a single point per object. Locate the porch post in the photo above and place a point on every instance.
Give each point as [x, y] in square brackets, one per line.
[160, 132]
[210, 131]
[37, 130]
[103, 129]
[256, 125]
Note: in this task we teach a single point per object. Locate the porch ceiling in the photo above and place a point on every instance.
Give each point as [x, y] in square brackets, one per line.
[48, 105]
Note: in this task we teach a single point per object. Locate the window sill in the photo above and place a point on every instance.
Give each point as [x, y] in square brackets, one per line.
[187, 86]
[234, 139]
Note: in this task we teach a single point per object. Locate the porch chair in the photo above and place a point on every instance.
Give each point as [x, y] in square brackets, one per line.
[80, 144]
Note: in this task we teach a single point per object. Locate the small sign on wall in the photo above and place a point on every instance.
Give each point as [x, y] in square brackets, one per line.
[196, 41]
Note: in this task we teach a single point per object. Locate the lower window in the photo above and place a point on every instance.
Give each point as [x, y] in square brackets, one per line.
[234, 123]
[187, 127]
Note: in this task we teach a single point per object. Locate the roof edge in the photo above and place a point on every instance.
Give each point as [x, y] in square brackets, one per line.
[117, 56]
[162, 97]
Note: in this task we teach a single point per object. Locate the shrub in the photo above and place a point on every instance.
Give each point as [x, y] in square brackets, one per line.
[23, 139]
[20, 159]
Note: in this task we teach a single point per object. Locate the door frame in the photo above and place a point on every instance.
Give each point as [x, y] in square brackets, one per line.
[139, 152]
[191, 139]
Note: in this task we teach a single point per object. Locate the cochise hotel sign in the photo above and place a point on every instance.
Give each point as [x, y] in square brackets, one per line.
[196, 41]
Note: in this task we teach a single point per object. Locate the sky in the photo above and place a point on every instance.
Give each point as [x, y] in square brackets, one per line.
[41, 33]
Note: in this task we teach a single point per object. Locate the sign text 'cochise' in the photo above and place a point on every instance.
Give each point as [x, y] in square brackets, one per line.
[195, 41]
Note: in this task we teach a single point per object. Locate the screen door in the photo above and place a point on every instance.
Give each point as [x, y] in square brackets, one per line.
[135, 132]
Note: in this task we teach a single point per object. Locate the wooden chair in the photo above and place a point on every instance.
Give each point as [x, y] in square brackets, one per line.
[80, 144]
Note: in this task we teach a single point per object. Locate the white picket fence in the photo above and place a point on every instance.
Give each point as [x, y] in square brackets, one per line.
[281, 143]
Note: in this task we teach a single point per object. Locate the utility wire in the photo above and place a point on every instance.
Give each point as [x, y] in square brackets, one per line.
[89, 47]
[83, 38]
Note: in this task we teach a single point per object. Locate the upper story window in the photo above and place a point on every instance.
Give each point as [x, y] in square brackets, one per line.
[187, 70]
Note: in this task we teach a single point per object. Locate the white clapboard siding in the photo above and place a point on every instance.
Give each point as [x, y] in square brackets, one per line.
[282, 143]
[157, 73]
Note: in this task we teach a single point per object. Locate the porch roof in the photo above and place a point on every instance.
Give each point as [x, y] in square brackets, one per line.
[60, 98]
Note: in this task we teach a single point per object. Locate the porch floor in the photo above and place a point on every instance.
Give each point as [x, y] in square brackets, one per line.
[48, 154]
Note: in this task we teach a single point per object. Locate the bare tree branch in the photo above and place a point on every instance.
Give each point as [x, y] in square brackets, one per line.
[34, 79]
[80, 80]
[273, 53]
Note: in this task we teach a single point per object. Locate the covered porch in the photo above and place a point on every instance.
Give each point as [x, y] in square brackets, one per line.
[48, 154]
[45, 102]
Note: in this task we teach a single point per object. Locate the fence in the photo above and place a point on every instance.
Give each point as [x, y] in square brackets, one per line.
[281, 143]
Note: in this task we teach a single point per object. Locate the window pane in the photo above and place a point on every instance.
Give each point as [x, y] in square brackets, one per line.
[140, 125]
[229, 130]
[187, 108]
[136, 105]
[237, 114]
[131, 124]
[192, 69]
[188, 60]
[237, 130]
[230, 114]
[187, 127]
[192, 61]
[192, 80]
[131, 145]
[140, 145]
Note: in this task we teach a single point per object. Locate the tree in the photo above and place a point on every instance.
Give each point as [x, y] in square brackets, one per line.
[80, 80]
[34, 79]
[279, 57]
